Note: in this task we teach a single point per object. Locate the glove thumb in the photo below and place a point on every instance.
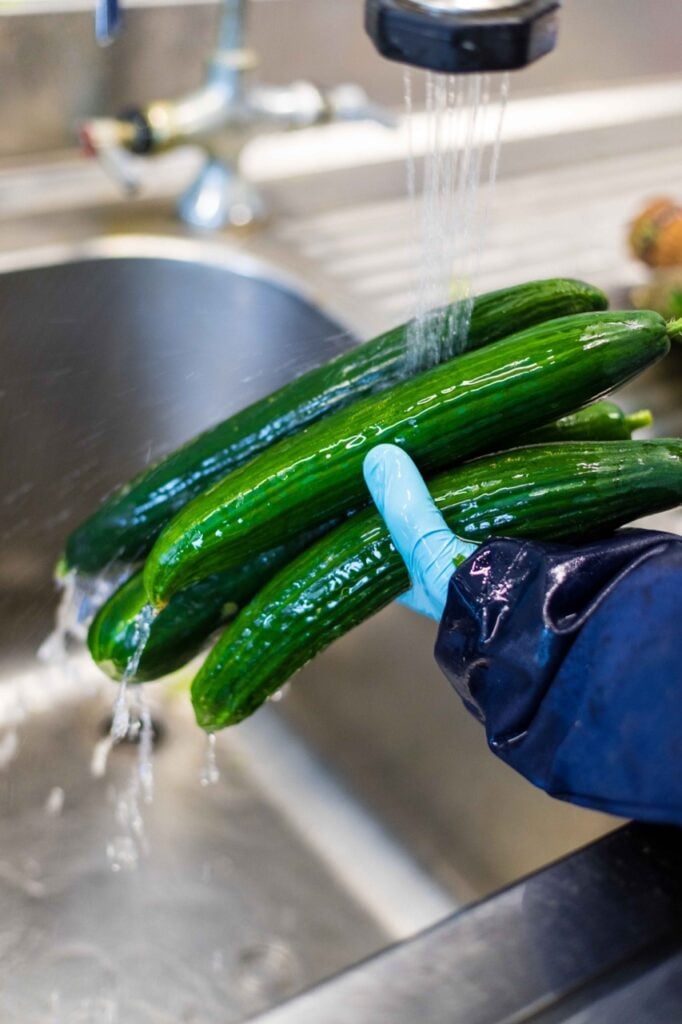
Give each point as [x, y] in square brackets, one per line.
[428, 547]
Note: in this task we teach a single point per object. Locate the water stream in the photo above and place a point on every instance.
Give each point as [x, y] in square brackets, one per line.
[449, 204]
[210, 773]
[131, 720]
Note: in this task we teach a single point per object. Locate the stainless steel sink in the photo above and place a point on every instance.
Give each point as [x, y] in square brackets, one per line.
[364, 805]
[229, 899]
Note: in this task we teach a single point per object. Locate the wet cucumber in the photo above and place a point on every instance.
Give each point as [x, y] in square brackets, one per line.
[183, 627]
[124, 527]
[564, 491]
[178, 632]
[600, 421]
[471, 405]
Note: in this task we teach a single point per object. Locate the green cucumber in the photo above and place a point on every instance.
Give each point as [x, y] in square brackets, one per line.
[179, 632]
[565, 491]
[470, 405]
[184, 626]
[127, 523]
[600, 421]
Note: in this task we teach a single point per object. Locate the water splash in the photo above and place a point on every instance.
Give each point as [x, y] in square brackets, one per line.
[80, 598]
[449, 216]
[131, 721]
[124, 723]
[145, 767]
[125, 849]
[120, 718]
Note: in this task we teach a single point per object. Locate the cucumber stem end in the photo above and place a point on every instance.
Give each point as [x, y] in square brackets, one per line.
[674, 329]
[640, 419]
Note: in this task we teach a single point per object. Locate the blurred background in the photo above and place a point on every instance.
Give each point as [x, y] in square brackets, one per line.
[55, 74]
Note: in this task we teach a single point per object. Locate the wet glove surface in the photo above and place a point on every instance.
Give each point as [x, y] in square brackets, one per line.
[572, 659]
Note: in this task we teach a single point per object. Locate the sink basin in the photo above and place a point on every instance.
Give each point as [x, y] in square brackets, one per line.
[223, 902]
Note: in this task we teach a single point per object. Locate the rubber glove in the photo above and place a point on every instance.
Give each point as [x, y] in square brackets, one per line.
[429, 548]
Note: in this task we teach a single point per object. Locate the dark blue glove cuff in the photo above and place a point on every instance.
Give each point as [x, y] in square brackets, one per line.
[572, 659]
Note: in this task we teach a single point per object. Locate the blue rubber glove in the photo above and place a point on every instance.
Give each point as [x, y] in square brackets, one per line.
[429, 548]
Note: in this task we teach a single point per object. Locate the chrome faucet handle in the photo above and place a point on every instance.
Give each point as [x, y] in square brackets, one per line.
[350, 102]
[110, 140]
[107, 21]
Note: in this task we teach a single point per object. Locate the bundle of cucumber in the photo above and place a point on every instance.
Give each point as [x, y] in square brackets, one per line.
[264, 521]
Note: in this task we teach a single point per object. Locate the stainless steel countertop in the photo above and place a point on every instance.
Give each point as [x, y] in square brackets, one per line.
[594, 939]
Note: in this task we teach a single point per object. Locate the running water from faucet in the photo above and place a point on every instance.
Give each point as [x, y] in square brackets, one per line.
[464, 115]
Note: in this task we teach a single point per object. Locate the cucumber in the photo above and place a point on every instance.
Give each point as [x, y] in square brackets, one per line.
[184, 626]
[470, 405]
[126, 525]
[179, 631]
[565, 491]
[600, 421]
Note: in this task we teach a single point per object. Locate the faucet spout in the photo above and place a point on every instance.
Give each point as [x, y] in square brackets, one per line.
[463, 35]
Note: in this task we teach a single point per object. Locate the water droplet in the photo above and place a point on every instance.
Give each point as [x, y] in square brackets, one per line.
[210, 773]
[9, 747]
[54, 805]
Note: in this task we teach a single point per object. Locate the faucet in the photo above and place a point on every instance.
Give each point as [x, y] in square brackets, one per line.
[221, 116]
[463, 35]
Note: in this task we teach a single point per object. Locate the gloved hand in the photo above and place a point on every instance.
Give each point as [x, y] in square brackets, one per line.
[429, 548]
[568, 655]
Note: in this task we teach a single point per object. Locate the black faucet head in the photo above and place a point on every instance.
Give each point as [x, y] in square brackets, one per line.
[443, 35]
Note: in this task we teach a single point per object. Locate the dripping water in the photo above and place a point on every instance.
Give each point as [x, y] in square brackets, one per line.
[448, 212]
[130, 843]
[210, 773]
[132, 721]
[124, 723]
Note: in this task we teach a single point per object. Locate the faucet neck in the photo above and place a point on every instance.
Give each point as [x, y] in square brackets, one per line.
[232, 29]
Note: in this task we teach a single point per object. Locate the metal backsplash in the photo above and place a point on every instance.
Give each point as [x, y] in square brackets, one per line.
[53, 73]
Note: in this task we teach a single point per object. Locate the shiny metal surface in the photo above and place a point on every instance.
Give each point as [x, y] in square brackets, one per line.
[108, 363]
[107, 360]
[476, 6]
[590, 937]
[228, 911]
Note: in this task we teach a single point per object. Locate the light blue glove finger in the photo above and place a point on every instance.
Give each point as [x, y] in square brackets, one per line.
[429, 548]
